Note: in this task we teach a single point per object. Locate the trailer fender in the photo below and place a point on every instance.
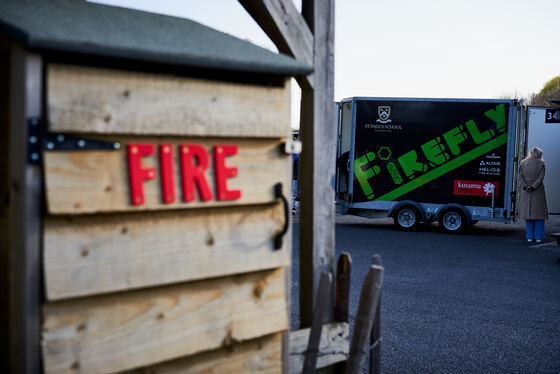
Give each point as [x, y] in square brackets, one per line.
[446, 207]
[400, 204]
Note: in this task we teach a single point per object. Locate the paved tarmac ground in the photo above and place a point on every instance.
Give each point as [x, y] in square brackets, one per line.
[480, 302]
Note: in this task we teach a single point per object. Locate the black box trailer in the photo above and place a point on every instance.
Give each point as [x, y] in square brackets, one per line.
[425, 160]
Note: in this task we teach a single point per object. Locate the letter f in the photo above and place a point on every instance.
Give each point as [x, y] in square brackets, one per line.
[364, 175]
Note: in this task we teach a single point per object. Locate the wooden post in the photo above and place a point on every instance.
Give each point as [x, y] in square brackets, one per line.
[280, 20]
[310, 39]
[320, 312]
[364, 320]
[24, 216]
[317, 159]
[342, 296]
[375, 353]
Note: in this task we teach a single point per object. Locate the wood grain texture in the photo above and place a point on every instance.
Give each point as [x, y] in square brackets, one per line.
[98, 181]
[375, 353]
[96, 100]
[342, 295]
[87, 255]
[367, 308]
[287, 29]
[319, 314]
[25, 211]
[318, 133]
[4, 201]
[333, 347]
[130, 330]
[261, 355]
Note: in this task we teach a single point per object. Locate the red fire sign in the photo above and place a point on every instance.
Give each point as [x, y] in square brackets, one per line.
[194, 162]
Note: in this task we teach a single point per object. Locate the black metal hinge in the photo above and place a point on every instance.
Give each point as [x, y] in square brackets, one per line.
[39, 140]
[34, 138]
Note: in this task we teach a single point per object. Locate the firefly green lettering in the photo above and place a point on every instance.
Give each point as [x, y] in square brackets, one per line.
[437, 152]
[478, 137]
[454, 137]
[363, 175]
[410, 165]
[498, 116]
[434, 151]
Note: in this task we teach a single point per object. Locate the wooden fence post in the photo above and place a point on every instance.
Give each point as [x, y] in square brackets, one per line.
[375, 353]
[319, 314]
[318, 134]
[24, 247]
[342, 296]
[364, 320]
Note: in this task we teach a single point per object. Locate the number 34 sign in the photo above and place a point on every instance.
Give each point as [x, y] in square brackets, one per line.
[194, 162]
[552, 116]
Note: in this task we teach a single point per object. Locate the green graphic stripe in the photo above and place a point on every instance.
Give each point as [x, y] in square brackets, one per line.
[431, 175]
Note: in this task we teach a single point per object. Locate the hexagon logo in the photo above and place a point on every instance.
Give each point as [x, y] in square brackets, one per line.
[384, 153]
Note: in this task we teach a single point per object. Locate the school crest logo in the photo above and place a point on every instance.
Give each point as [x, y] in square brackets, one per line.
[384, 113]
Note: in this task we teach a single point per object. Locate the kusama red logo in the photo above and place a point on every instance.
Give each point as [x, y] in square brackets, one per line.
[194, 162]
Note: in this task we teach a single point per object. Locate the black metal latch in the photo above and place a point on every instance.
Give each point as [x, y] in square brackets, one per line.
[279, 195]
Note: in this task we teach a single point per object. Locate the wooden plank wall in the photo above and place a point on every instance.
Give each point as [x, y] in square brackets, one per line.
[98, 254]
[124, 331]
[161, 287]
[98, 181]
[95, 100]
[261, 355]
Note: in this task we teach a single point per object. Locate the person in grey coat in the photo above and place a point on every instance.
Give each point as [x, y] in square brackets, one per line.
[532, 204]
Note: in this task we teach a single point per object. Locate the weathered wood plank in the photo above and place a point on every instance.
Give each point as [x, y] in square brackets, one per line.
[98, 181]
[318, 133]
[375, 353]
[96, 100]
[319, 314]
[261, 355]
[342, 296]
[364, 321]
[26, 87]
[87, 255]
[334, 346]
[4, 202]
[287, 29]
[129, 330]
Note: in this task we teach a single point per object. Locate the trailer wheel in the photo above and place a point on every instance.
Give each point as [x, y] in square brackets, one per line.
[453, 221]
[407, 218]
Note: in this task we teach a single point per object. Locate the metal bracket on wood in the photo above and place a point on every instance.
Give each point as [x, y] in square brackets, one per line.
[34, 139]
[38, 140]
[291, 147]
[63, 142]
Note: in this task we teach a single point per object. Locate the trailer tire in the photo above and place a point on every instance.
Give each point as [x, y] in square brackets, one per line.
[407, 218]
[453, 221]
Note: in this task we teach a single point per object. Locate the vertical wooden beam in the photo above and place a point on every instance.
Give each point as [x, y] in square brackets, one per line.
[283, 24]
[375, 353]
[320, 312]
[24, 216]
[342, 296]
[4, 199]
[364, 320]
[318, 135]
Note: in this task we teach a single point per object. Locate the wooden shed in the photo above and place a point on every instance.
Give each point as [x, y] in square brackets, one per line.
[144, 163]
